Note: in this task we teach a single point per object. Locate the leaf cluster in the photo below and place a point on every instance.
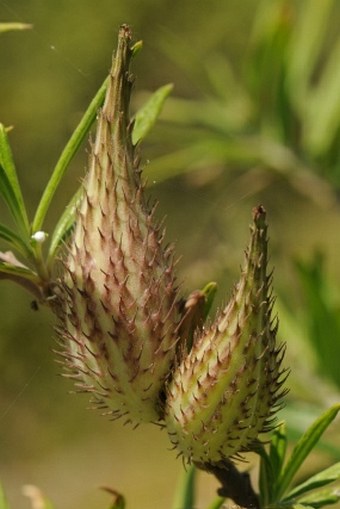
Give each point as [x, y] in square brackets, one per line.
[278, 488]
[278, 472]
[279, 110]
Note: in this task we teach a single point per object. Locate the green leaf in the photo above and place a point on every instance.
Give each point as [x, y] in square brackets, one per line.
[8, 195]
[300, 417]
[266, 481]
[15, 241]
[322, 318]
[136, 48]
[278, 448]
[185, 496]
[318, 480]
[323, 104]
[304, 447]
[146, 117]
[209, 292]
[306, 43]
[266, 67]
[9, 184]
[18, 273]
[271, 464]
[67, 155]
[7, 27]
[63, 227]
[217, 504]
[300, 506]
[208, 151]
[322, 497]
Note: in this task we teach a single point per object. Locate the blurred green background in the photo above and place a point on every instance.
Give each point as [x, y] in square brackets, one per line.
[254, 118]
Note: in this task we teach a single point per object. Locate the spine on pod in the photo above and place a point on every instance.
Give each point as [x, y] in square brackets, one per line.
[119, 308]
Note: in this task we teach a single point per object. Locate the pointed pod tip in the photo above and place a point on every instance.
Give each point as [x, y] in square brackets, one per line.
[259, 212]
[125, 31]
[125, 38]
[259, 216]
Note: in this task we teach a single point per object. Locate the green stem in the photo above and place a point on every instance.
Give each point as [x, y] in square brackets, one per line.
[67, 155]
[185, 496]
[40, 264]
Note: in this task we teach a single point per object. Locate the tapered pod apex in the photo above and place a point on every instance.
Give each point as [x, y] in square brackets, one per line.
[119, 308]
[227, 389]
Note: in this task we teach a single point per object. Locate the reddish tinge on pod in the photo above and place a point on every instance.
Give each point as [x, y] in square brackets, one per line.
[119, 312]
[227, 389]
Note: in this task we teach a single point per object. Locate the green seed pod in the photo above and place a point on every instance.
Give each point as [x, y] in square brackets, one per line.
[226, 390]
[119, 313]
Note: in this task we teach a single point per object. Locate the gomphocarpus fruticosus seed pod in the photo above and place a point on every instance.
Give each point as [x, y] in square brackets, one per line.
[119, 312]
[227, 389]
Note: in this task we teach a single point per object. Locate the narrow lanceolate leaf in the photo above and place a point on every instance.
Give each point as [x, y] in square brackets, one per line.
[9, 184]
[119, 312]
[321, 498]
[304, 446]
[185, 495]
[318, 480]
[63, 228]
[70, 150]
[225, 392]
[15, 241]
[271, 464]
[266, 478]
[305, 46]
[278, 448]
[146, 117]
[13, 270]
[323, 104]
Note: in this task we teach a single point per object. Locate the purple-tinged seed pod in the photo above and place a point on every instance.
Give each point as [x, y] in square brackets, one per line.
[119, 310]
[228, 388]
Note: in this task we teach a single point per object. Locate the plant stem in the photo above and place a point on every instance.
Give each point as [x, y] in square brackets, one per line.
[235, 485]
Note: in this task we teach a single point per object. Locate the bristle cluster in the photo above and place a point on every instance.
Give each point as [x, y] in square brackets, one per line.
[119, 298]
[226, 390]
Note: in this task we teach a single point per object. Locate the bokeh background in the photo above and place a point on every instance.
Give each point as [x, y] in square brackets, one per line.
[254, 117]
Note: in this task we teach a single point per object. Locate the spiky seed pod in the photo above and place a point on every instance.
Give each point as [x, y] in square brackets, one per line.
[226, 390]
[119, 311]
